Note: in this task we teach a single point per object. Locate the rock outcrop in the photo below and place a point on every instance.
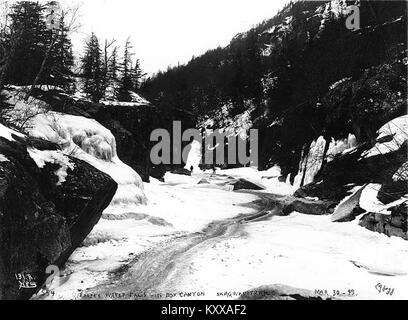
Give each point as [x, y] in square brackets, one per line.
[335, 179]
[244, 184]
[395, 224]
[383, 164]
[49, 202]
[348, 208]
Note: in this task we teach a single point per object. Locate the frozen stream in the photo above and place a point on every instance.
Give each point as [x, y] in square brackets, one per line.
[200, 241]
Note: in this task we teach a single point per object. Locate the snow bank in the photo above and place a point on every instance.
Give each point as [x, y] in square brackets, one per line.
[323, 255]
[88, 140]
[390, 137]
[370, 203]
[173, 179]
[7, 133]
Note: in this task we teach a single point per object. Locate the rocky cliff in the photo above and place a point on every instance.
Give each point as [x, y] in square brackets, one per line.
[49, 202]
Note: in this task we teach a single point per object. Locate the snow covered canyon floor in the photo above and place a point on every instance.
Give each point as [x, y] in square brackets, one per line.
[202, 241]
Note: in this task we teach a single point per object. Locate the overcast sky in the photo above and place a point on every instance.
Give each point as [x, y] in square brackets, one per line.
[168, 32]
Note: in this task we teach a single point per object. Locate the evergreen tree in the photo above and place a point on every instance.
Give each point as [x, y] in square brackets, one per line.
[126, 80]
[60, 62]
[29, 24]
[37, 54]
[92, 69]
[113, 73]
[137, 75]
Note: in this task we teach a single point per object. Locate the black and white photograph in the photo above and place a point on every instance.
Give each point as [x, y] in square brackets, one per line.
[187, 150]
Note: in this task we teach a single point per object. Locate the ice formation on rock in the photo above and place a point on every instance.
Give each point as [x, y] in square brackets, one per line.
[311, 161]
[194, 156]
[88, 140]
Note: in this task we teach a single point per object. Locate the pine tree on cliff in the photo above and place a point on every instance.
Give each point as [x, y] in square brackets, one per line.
[126, 81]
[137, 75]
[92, 69]
[58, 69]
[113, 73]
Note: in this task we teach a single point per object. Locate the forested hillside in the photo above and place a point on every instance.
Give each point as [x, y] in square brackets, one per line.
[300, 75]
[36, 48]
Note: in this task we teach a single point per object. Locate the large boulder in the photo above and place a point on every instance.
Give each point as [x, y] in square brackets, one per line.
[348, 208]
[49, 202]
[395, 224]
[286, 204]
[245, 184]
[307, 206]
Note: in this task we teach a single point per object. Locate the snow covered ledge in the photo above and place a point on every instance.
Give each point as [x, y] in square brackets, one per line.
[88, 140]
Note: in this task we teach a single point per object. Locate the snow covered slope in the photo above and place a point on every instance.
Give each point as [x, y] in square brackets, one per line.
[88, 140]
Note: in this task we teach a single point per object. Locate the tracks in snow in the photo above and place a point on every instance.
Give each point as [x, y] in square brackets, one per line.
[151, 270]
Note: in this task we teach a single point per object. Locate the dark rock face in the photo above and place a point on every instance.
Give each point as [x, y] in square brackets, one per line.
[131, 128]
[157, 172]
[243, 184]
[392, 191]
[395, 224]
[42, 222]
